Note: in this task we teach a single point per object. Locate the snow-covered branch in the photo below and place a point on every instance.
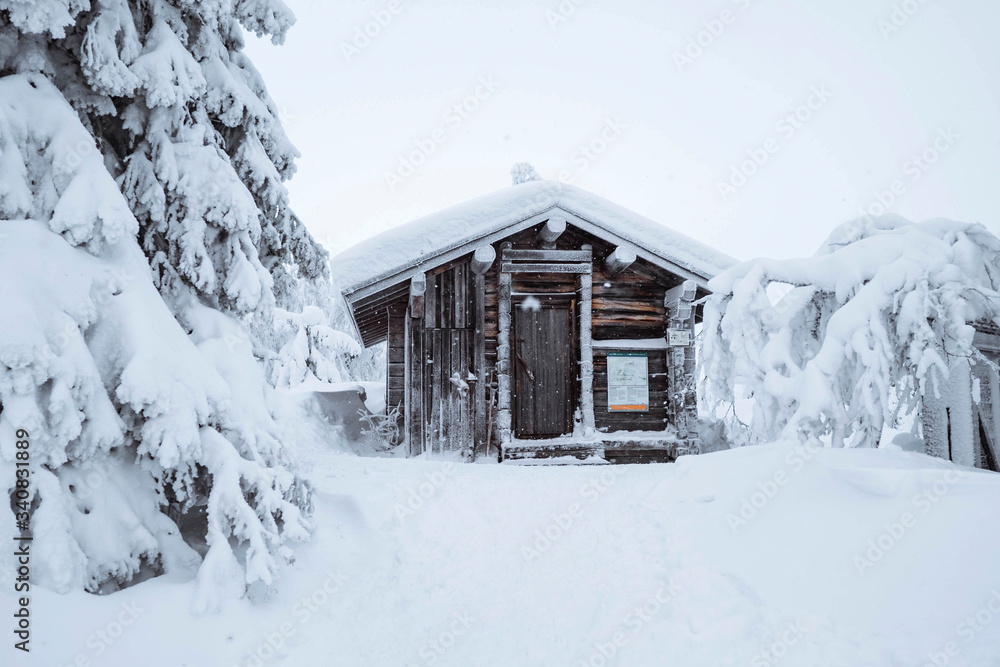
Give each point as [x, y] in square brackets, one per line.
[843, 343]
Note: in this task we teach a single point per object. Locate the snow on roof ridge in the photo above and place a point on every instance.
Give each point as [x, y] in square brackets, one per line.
[418, 241]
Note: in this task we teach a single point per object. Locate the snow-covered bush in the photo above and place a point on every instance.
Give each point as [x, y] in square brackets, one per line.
[144, 230]
[838, 345]
[314, 350]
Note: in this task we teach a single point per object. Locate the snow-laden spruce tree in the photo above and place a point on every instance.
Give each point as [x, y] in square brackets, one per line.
[838, 345]
[145, 237]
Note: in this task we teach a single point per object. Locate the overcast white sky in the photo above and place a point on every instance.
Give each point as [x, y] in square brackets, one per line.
[684, 129]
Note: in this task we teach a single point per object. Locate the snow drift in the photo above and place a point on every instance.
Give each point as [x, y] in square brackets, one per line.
[433, 562]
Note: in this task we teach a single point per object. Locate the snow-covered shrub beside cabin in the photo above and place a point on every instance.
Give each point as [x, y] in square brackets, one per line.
[314, 349]
[145, 237]
[838, 345]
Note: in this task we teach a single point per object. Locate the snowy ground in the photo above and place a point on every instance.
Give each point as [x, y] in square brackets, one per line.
[420, 562]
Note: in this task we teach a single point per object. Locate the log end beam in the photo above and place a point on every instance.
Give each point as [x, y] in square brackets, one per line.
[619, 260]
[550, 231]
[482, 259]
[418, 285]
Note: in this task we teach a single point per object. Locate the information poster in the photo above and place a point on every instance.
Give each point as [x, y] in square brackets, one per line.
[628, 382]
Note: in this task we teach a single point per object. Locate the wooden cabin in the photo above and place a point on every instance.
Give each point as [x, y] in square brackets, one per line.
[538, 321]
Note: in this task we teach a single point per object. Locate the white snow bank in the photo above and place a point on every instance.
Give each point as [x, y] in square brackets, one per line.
[423, 239]
[432, 562]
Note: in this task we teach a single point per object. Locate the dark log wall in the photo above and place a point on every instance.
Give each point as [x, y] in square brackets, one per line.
[448, 300]
[443, 348]
[626, 306]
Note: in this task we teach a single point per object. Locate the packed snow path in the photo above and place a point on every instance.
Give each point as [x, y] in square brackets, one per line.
[418, 562]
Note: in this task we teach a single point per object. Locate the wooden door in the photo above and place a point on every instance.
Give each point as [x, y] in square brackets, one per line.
[544, 363]
[447, 392]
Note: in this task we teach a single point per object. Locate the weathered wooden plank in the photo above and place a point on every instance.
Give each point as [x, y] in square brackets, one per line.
[546, 255]
[503, 358]
[415, 387]
[508, 267]
[396, 370]
[436, 368]
[449, 307]
[396, 340]
[627, 303]
[586, 353]
[397, 323]
[374, 320]
[462, 300]
[618, 317]
[554, 286]
[396, 355]
[479, 360]
[430, 302]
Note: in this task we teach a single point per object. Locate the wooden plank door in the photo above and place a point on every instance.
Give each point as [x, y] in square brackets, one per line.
[448, 407]
[543, 358]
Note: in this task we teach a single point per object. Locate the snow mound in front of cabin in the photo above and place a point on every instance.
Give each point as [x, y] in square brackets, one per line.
[421, 562]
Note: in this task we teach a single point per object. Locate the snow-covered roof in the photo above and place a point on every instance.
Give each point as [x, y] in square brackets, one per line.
[427, 242]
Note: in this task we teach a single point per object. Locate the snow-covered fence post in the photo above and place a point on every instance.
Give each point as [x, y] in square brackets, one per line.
[586, 282]
[683, 406]
[503, 358]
